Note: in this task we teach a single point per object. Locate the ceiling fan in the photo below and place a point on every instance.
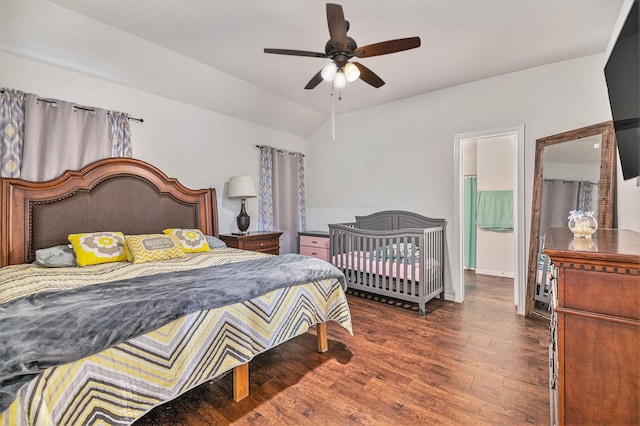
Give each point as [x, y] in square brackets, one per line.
[340, 49]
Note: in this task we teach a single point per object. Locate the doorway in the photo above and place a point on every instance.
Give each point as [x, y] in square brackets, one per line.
[516, 259]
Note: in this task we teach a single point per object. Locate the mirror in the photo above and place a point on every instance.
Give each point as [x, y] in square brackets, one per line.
[567, 159]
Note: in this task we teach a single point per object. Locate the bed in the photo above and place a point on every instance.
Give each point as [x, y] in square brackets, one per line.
[112, 358]
[393, 253]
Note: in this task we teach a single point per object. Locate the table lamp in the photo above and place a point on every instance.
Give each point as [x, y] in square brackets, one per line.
[242, 187]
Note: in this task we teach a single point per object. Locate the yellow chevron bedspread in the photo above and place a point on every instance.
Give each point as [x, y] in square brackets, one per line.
[120, 384]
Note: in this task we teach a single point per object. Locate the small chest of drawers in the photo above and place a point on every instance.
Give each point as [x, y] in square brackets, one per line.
[262, 241]
[315, 244]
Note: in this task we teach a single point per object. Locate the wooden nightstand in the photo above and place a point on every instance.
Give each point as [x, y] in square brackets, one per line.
[262, 241]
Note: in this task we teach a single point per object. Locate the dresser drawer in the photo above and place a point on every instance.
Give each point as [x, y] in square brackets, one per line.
[318, 242]
[320, 253]
[261, 245]
[262, 241]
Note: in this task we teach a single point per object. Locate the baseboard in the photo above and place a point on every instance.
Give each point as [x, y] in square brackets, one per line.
[494, 273]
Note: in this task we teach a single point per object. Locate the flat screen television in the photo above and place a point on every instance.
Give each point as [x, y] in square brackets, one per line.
[622, 74]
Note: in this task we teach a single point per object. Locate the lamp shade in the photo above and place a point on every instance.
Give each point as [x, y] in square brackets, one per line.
[328, 73]
[241, 187]
[339, 80]
[352, 72]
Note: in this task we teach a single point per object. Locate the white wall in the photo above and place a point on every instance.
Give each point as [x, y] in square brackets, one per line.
[400, 155]
[495, 164]
[200, 148]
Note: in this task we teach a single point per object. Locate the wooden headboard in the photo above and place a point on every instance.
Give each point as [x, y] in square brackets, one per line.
[115, 194]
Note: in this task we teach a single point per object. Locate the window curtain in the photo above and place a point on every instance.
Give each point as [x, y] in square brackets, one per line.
[120, 134]
[470, 231]
[559, 197]
[11, 132]
[281, 201]
[584, 195]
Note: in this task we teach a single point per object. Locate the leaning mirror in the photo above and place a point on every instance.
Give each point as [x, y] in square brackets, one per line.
[574, 170]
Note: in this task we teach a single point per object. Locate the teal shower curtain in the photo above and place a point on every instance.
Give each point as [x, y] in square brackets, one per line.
[470, 191]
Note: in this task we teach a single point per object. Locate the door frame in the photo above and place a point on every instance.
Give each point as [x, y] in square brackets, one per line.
[520, 258]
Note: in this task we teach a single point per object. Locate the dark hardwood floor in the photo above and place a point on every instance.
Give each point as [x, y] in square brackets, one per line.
[472, 363]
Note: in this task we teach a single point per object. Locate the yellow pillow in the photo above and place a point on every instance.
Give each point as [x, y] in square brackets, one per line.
[192, 240]
[98, 247]
[151, 247]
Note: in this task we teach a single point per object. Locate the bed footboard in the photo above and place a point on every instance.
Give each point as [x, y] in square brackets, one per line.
[406, 264]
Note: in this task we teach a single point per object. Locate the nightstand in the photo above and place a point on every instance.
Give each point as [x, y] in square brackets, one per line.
[262, 241]
[314, 243]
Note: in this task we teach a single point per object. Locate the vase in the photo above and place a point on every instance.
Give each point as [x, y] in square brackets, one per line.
[583, 225]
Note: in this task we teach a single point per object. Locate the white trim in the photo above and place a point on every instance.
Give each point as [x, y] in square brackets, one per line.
[520, 260]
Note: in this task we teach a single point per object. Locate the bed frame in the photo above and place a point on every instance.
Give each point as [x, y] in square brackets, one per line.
[107, 195]
[351, 245]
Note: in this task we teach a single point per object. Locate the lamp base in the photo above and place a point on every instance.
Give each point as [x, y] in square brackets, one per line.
[243, 219]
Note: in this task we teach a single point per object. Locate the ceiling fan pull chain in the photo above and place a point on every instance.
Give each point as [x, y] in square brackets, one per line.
[333, 114]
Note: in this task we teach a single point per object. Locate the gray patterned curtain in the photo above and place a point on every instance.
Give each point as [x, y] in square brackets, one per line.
[584, 195]
[121, 134]
[42, 138]
[11, 132]
[282, 195]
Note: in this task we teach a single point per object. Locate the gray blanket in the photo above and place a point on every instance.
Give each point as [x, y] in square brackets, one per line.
[54, 328]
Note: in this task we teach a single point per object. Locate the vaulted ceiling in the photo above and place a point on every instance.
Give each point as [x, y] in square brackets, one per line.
[462, 40]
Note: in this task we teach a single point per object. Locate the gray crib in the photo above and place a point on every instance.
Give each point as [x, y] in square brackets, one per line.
[393, 253]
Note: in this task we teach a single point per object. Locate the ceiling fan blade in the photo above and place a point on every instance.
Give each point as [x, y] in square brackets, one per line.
[386, 47]
[337, 26]
[295, 52]
[369, 76]
[315, 80]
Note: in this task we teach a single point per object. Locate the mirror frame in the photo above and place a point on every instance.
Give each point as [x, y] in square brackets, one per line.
[606, 192]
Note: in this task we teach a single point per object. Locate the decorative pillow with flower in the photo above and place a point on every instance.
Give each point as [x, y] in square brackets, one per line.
[192, 240]
[98, 247]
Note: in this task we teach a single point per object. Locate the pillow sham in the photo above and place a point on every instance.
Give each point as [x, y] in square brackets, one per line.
[56, 257]
[98, 247]
[152, 247]
[214, 242]
[192, 240]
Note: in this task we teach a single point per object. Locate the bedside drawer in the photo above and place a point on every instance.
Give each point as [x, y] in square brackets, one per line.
[261, 245]
[320, 253]
[319, 242]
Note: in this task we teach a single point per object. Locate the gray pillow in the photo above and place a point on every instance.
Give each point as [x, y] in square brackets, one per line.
[56, 257]
[214, 242]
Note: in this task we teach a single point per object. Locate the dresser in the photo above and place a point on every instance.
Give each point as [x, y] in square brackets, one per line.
[595, 327]
[314, 243]
[262, 241]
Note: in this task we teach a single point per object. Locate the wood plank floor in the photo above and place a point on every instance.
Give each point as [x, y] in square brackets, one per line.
[472, 363]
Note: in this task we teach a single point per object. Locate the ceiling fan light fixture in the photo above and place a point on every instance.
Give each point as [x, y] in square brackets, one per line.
[329, 71]
[351, 72]
[340, 80]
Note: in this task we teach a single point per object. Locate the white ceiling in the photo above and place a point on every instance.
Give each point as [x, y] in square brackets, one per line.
[462, 40]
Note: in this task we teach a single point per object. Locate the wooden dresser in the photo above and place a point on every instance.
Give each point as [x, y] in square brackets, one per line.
[262, 241]
[595, 327]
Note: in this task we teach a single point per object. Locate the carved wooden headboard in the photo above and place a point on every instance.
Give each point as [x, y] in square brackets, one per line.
[115, 194]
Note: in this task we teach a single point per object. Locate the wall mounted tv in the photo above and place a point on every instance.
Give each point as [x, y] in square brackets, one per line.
[622, 73]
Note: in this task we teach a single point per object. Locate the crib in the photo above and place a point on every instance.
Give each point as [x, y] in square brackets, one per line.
[392, 253]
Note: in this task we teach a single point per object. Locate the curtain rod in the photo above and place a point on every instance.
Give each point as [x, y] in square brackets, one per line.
[280, 150]
[141, 120]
